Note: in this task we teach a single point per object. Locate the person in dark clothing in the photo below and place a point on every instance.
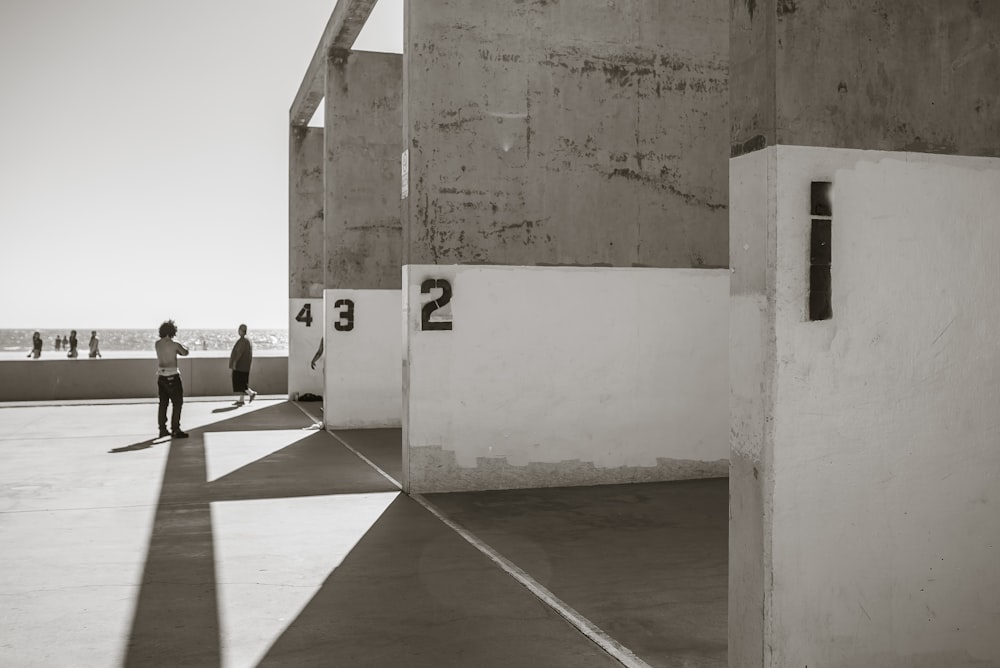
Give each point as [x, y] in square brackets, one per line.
[168, 380]
[72, 344]
[36, 346]
[240, 361]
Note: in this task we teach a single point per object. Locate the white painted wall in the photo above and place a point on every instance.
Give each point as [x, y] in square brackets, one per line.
[303, 340]
[364, 356]
[559, 375]
[886, 444]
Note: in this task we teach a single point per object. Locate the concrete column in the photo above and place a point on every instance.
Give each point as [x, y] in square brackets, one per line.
[363, 239]
[563, 158]
[305, 256]
[864, 483]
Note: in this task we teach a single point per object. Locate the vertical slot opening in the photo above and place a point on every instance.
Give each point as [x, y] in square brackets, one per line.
[821, 234]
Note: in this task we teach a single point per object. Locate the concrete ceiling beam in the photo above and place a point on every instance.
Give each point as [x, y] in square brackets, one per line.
[344, 26]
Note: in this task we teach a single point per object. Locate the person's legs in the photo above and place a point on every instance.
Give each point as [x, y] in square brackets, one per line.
[177, 398]
[240, 386]
[161, 414]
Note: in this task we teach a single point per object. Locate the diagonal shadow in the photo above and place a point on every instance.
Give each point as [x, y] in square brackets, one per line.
[176, 619]
[413, 592]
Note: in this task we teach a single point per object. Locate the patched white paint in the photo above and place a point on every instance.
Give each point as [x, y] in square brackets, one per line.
[613, 367]
[364, 353]
[884, 532]
[305, 331]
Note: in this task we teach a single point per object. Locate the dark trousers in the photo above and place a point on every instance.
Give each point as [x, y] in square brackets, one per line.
[171, 390]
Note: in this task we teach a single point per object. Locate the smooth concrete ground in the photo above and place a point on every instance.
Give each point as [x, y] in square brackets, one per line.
[262, 540]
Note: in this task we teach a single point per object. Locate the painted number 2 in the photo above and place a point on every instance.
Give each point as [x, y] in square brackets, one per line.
[345, 319]
[305, 315]
[433, 305]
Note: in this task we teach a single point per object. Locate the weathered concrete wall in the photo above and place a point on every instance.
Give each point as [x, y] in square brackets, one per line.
[886, 474]
[556, 132]
[919, 75]
[751, 379]
[363, 145]
[565, 376]
[130, 378]
[305, 212]
[363, 385]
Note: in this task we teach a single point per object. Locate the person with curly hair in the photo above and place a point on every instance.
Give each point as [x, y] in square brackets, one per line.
[168, 380]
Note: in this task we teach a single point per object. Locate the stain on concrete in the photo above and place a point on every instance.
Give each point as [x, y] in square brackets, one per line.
[751, 7]
[786, 7]
[434, 469]
[755, 143]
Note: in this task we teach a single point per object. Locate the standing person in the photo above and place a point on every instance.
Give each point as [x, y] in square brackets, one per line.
[95, 344]
[58, 342]
[239, 361]
[168, 380]
[36, 346]
[72, 344]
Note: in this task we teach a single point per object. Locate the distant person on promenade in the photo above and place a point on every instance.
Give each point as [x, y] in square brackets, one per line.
[239, 361]
[36, 346]
[95, 344]
[58, 342]
[168, 380]
[72, 344]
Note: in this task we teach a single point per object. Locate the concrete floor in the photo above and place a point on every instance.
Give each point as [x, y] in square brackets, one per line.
[263, 541]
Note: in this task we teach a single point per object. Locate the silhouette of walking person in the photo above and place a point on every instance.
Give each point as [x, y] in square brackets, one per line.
[36, 346]
[95, 344]
[240, 361]
[72, 344]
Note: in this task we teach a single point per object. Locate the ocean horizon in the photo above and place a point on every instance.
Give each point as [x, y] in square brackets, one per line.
[117, 341]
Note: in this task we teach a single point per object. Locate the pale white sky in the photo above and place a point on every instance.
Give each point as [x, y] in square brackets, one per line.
[144, 157]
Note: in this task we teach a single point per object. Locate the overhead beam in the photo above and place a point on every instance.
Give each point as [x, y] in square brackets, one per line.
[344, 26]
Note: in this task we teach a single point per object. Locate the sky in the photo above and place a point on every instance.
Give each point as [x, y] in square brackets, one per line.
[144, 157]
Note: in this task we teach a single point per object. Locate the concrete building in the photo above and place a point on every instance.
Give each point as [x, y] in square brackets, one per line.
[602, 242]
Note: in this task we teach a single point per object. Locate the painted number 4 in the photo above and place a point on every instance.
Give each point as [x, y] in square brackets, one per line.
[305, 315]
[425, 313]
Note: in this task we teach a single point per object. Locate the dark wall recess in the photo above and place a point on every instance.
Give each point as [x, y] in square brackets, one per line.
[821, 208]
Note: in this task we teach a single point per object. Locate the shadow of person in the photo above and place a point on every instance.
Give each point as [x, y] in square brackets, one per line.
[141, 445]
[225, 409]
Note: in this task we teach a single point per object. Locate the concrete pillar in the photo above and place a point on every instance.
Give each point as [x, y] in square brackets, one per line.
[563, 158]
[864, 368]
[305, 257]
[363, 239]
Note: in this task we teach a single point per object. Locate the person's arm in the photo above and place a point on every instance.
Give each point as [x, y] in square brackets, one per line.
[319, 353]
[181, 348]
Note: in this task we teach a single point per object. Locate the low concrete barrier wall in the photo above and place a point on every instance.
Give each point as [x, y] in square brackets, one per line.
[129, 378]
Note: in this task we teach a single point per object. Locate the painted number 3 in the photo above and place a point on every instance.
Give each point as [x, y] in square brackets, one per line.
[345, 319]
[433, 305]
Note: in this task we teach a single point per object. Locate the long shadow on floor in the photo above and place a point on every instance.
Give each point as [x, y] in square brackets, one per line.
[176, 621]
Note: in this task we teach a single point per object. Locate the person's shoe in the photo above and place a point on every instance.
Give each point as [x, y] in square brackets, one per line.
[237, 403]
[252, 395]
[180, 434]
[163, 433]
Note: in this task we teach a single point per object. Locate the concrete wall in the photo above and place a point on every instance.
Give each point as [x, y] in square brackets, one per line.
[565, 376]
[751, 381]
[305, 333]
[129, 378]
[914, 76]
[363, 371]
[364, 141]
[305, 253]
[875, 437]
[305, 213]
[566, 133]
